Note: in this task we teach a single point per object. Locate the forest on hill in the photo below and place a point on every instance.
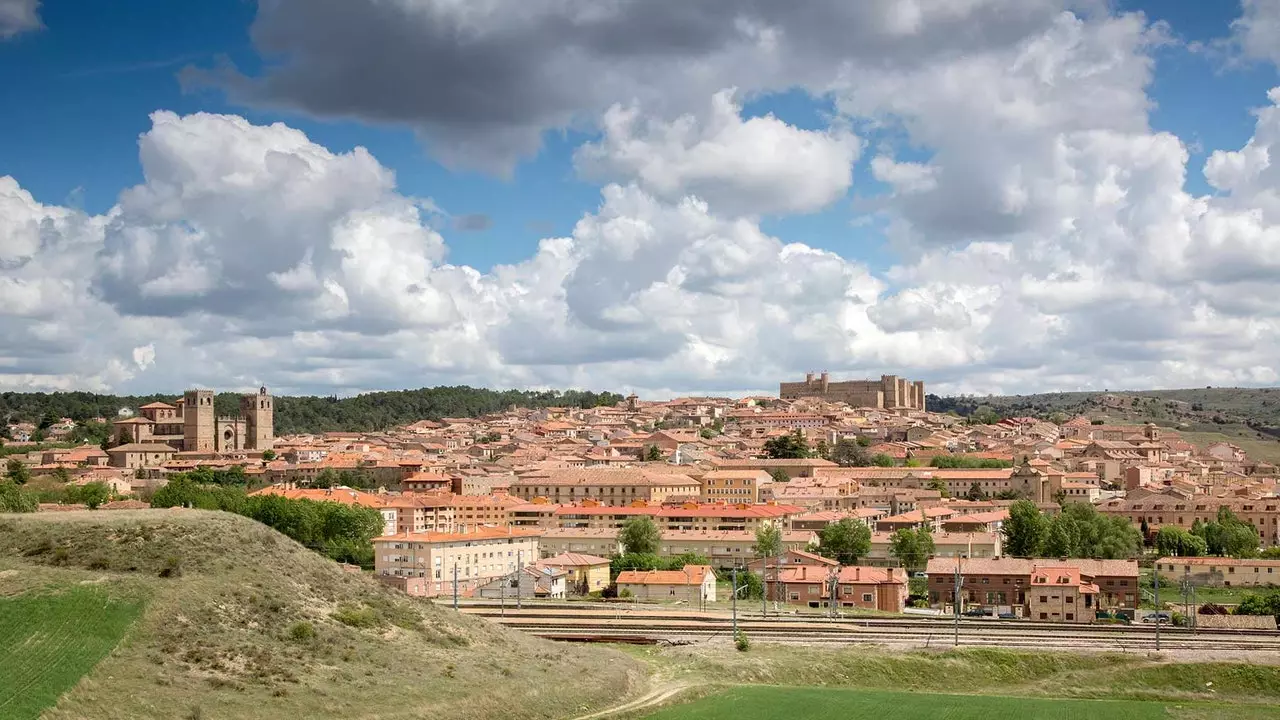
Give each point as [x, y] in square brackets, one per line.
[299, 414]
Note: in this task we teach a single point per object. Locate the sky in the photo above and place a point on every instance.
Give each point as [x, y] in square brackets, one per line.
[336, 196]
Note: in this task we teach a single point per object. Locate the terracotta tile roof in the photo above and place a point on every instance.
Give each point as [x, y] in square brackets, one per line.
[572, 559]
[484, 533]
[690, 575]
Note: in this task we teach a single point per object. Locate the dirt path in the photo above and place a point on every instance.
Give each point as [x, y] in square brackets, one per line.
[660, 693]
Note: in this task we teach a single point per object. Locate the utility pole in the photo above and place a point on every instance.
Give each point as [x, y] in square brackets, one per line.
[1155, 578]
[455, 585]
[835, 593]
[959, 580]
[734, 576]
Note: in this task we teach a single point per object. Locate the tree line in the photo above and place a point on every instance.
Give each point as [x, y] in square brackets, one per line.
[1225, 535]
[308, 414]
[340, 532]
[1078, 531]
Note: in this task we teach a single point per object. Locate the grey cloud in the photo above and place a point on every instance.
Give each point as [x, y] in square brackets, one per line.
[480, 81]
[18, 16]
[474, 222]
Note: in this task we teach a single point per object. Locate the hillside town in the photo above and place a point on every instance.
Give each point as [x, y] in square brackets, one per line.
[544, 494]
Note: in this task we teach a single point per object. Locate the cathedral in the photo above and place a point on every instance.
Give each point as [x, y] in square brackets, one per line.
[191, 425]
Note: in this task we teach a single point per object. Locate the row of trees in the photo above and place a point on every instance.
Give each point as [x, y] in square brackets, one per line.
[371, 411]
[341, 532]
[1226, 534]
[1078, 531]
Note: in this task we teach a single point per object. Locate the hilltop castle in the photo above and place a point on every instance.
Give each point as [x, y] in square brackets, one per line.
[190, 425]
[889, 392]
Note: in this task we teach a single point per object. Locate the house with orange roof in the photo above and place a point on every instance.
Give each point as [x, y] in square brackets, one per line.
[691, 584]
[1061, 594]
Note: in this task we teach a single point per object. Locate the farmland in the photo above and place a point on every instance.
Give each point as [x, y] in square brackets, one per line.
[761, 702]
[47, 641]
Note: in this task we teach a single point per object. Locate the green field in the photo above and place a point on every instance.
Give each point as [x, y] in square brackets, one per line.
[48, 641]
[764, 703]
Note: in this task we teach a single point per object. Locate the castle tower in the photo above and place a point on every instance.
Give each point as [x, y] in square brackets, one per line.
[198, 421]
[259, 420]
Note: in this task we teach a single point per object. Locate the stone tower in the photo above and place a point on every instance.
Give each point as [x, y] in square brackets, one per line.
[198, 421]
[258, 413]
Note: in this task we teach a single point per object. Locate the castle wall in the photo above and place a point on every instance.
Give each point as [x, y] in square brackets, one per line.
[889, 391]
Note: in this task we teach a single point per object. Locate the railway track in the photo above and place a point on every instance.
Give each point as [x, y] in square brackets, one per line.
[564, 622]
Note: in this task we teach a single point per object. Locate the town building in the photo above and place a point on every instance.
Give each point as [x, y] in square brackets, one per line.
[693, 584]
[863, 588]
[586, 573]
[613, 486]
[1007, 585]
[427, 563]
[1218, 571]
[734, 486]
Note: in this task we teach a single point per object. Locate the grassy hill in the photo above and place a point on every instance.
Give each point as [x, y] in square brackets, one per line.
[217, 616]
[1248, 417]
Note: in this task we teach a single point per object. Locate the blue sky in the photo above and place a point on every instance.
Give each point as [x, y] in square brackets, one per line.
[87, 83]
[972, 264]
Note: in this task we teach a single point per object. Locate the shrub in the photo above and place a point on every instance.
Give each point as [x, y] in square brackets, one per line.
[1212, 609]
[741, 642]
[302, 631]
[172, 567]
[357, 616]
[624, 593]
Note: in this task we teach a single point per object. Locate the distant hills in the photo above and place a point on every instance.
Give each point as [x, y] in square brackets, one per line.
[1249, 417]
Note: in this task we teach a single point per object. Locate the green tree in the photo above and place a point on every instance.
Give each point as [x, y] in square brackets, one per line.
[849, 453]
[844, 541]
[326, 478]
[975, 492]
[640, 535]
[61, 474]
[1260, 603]
[822, 450]
[93, 494]
[779, 475]
[940, 486]
[1176, 542]
[653, 453]
[881, 460]
[789, 446]
[17, 472]
[912, 547]
[268, 455]
[1024, 531]
[706, 433]
[1271, 553]
[752, 586]
[1228, 535]
[13, 499]
[768, 540]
